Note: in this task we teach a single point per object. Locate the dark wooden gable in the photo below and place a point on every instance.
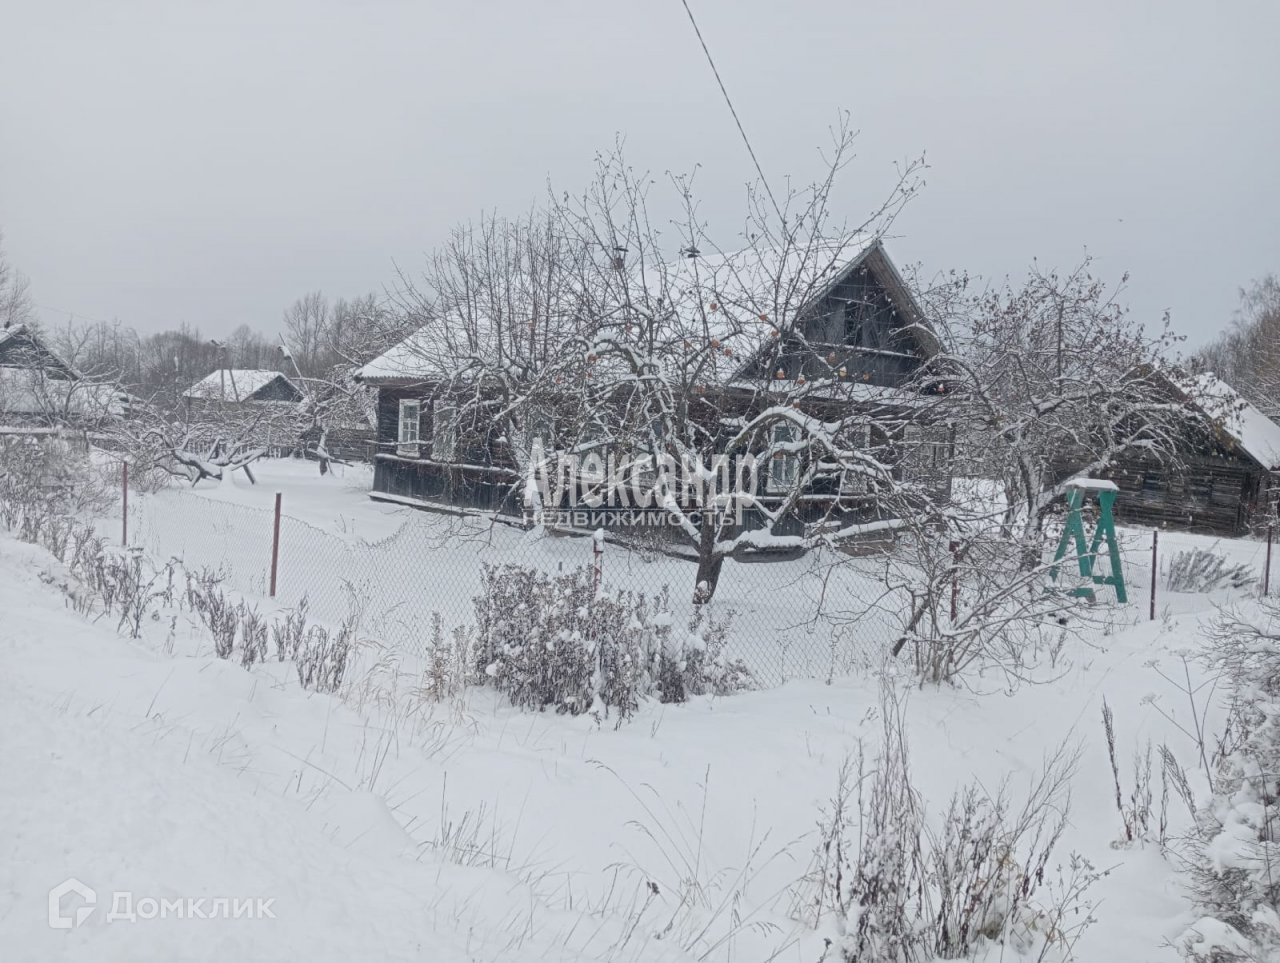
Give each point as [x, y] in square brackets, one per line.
[277, 389]
[863, 325]
[21, 349]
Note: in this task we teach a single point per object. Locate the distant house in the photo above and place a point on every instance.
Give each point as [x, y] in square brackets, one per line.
[237, 386]
[1225, 478]
[254, 405]
[853, 343]
[42, 393]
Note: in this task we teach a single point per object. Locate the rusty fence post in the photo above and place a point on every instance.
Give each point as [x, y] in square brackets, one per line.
[275, 546]
[955, 579]
[1155, 568]
[124, 496]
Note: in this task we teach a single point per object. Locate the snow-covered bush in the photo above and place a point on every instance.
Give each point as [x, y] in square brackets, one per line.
[555, 641]
[45, 477]
[1202, 570]
[901, 891]
[1235, 847]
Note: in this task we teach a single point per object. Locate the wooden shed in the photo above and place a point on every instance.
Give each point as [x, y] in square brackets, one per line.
[1225, 479]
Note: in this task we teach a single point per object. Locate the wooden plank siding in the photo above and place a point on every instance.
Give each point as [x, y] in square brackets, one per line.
[1209, 494]
[482, 475]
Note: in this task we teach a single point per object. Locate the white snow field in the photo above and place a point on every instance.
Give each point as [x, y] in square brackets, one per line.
[382, 826]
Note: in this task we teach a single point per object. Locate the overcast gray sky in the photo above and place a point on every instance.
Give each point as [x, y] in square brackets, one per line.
[210, 162]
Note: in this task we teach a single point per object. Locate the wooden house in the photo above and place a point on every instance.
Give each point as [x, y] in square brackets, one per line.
[1224, 478]
[852, 339]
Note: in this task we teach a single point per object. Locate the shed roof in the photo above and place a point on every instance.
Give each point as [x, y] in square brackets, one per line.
[1248, 428]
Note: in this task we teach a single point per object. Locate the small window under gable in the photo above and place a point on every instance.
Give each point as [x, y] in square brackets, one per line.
[409, 427]
[784, 466]
[444, 431]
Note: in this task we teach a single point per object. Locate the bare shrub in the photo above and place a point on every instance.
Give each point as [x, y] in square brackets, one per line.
[219, 615]
[290, 632]
[976, 601]
[253, 636]
[906, 893]
[322, 659]
[139, 589]
[1135, 813]
[448, 661]
[1203, 571]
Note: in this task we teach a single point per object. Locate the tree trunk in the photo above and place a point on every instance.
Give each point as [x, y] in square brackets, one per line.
[709, 566]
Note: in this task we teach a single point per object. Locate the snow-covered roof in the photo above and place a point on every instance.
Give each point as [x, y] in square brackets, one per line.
[740, 301]
[239, 384]
[1252, 432]
[410, 358]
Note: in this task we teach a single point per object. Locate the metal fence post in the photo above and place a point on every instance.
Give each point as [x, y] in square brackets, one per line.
[124, 513]
[955, 579]
[597, 552]
[275, 546]
[1266, 571]
[1155, 568]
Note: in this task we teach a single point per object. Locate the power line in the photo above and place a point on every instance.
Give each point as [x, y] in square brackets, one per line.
[71, 315]
[729, 102]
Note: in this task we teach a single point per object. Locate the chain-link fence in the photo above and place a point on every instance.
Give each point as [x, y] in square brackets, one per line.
[807, 617]
[822, 615]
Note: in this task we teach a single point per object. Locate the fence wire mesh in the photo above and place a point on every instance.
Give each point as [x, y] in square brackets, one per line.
[813, 617]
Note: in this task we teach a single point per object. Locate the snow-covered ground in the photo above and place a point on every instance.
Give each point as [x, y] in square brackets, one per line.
[387, 827]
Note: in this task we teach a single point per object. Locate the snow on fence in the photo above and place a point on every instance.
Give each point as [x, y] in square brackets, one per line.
[794, 619]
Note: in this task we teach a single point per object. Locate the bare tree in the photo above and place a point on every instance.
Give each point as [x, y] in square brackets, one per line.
[698, 353]
[1050, 380]
[1248, 355]
[307, 325]
[16, 303]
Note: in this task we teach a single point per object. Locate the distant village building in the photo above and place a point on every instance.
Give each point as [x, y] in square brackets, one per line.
[249, 404]
[240, 386]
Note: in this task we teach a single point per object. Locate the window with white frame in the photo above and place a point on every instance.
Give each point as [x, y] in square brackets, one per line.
[407, 436]
[784, 464]
[444, 431]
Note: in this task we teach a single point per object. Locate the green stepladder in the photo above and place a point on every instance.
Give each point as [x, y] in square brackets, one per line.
[1073, 534]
